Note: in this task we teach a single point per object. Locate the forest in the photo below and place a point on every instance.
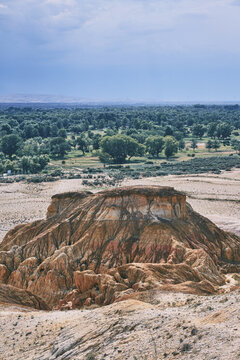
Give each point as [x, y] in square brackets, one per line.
[57, 139]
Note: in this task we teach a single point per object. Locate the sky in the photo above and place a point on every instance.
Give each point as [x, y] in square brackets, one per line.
[119, 50]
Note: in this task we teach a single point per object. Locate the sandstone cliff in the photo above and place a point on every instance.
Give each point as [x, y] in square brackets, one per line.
[105, 247]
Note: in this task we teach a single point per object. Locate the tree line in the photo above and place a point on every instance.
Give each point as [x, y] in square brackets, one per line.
[31, 136]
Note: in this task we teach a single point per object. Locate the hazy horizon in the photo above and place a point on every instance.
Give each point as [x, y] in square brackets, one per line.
[121, 50]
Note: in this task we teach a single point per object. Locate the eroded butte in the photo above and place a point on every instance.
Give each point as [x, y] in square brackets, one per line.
[96, 249]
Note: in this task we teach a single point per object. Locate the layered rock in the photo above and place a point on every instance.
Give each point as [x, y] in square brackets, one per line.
[99, 248]
[10, 295]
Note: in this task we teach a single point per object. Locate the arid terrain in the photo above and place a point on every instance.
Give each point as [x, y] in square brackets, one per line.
[214, 196]
[154, 324]
[169, 326]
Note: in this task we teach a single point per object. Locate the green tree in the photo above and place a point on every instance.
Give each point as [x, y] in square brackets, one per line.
[171, 146]
[30, 130]
[181, 144]
[121, 146]
[62, 133]
[236, 145]
[211, 132]
[11, 144]
[6, 129]
[96, 141]
[25, 164]
[224, 130]
[30, 147]
[194, 144]
[168, 131]
[198, 130]
[33, 164]
[82, 144]
[105, 158]
[59, 147]
[216, 145]
[134, 148]
[209, 145]
[154, 145]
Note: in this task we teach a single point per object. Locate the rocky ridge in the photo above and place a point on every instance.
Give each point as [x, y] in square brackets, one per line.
[95, 249]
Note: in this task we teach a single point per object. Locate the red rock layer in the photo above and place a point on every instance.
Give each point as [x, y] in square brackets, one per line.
[97, 248]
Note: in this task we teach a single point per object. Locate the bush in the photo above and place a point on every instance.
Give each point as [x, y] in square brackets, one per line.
[56, 172]
[148, 162]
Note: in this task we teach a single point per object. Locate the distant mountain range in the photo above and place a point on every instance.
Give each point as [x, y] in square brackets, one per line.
[59, 99]
[26, 98]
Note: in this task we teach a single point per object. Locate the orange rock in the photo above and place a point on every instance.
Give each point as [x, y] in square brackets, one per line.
[109, 245]
[4, 274]
[88, 302]
[85, 280]
[12, 295]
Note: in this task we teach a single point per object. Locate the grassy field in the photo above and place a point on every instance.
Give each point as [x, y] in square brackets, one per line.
[87, 167]
[76, 160]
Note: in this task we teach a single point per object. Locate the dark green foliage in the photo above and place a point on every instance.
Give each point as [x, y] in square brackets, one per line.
[224, 130]
[82, 143]
[121, 146]
[198, 130]
[171, 146]
[236, 145]
[96, 141]
[6, 129]
[37, 130]
[59, 147]
[181, 144]
[154, 145]
[209, 145]
[194, 144]
[202, 165]
[104, 157]
[62, 133]
[216, 144]
[11, 144]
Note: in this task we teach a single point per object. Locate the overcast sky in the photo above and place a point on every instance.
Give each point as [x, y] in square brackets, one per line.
[177, 50]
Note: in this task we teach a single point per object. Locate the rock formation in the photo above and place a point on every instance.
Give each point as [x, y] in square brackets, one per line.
[108, 246]
[10, 295]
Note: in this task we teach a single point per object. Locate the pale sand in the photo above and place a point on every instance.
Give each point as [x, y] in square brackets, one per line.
[156, 328]
[214, 196]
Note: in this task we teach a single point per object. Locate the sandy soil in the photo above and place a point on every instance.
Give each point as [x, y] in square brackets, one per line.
[163, 326]
[214, 196]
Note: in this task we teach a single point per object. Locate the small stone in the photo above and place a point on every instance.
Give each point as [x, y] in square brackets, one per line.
[194, 331]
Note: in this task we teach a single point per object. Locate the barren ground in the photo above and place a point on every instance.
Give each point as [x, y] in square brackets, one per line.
[214, 196]
[160, 325]
[163, 326]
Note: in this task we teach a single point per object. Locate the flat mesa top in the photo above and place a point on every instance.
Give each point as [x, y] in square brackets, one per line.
[153, 190]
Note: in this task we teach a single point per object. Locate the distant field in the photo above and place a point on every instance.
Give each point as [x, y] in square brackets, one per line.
[76, 159]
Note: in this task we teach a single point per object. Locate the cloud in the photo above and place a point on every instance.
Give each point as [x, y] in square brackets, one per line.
[120, 30]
